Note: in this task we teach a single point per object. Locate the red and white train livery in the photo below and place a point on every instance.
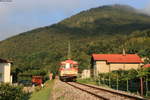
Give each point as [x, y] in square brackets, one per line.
[68, 70]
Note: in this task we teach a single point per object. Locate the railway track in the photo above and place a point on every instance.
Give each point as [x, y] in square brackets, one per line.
[104, 93]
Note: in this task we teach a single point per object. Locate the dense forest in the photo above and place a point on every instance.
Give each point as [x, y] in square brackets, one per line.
[106, 29]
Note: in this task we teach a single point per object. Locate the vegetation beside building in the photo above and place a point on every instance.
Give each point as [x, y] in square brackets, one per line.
[44, 93]
[125, 80]
[9, 92]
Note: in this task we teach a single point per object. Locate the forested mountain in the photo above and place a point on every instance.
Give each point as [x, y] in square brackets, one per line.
[106, 29]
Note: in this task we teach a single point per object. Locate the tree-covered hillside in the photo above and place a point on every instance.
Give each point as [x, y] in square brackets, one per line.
[106, 29]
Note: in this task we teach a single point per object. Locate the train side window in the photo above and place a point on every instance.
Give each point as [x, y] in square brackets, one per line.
[71, 65]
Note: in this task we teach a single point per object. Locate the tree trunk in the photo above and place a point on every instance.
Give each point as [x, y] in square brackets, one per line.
[141, 85]
[146, 85]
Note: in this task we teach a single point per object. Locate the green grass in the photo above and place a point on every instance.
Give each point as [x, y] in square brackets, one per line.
[44, 93]
[87, 81]
[91, 81]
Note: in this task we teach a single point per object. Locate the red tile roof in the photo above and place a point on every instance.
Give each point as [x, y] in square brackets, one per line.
[118, 58]
[147, 65]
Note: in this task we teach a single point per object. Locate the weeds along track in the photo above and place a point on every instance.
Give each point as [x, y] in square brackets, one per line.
[104, 93]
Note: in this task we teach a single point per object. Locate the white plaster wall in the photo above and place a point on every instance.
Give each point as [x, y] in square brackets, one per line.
[5, 70]
[103, 67]
[7, 77]
[117, 67]
[124, 66]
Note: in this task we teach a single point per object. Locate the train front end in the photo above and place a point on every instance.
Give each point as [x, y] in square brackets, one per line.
[68, 70]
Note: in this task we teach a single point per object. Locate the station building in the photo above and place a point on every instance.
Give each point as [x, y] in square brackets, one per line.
[5, 71]
[86, 73]
[103, 63]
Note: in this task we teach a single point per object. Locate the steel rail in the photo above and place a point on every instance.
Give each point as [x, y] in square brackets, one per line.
[106, 90]
[104, 98]
[115, 92]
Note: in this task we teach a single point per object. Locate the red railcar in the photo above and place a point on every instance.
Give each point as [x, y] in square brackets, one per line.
[68, 70]
[37, 80]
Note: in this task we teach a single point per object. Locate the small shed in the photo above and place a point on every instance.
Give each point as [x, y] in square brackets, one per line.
[85, 74]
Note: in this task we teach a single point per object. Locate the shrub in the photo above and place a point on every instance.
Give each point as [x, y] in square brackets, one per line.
[9, 92]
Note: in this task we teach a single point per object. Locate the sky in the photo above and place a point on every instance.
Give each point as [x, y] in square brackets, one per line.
[18, 16]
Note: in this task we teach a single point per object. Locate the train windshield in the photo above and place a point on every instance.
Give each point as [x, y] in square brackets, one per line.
[67, 65]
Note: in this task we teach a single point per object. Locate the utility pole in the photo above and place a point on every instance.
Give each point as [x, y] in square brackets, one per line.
[109, 77]
[127, 84]
[117, 81]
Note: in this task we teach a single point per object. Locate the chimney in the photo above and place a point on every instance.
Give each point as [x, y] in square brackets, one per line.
[124, 52]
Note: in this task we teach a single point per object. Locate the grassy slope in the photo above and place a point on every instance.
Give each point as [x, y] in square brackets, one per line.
[43, 94]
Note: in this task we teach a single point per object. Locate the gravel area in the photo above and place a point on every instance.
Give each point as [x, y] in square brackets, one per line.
[63, 91]
[105, 94]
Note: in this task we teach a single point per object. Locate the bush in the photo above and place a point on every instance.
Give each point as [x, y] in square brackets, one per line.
[9, 92]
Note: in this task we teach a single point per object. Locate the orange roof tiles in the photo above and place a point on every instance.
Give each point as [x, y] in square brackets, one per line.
[146, 66]
[118, 58]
